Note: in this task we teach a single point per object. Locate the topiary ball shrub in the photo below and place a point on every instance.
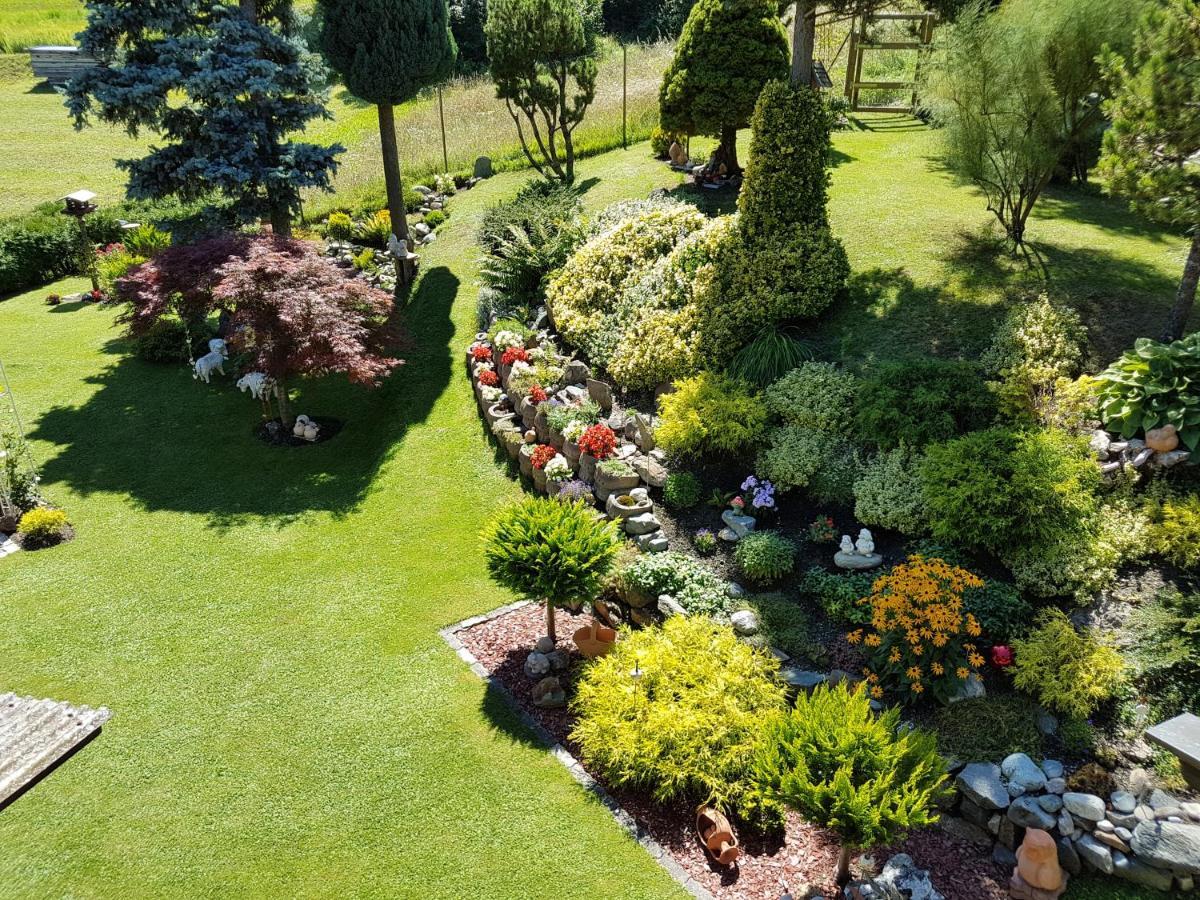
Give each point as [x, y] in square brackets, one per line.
[1069, 671]
[339, 227]
[988, 728]
[917, 402]
[709, 413]
[435, 218]
[682, 490]
[41, 527]
[686, 724]
[765, 556]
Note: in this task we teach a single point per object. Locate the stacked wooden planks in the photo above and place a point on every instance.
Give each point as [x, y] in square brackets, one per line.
[58, 65]
[36, 735]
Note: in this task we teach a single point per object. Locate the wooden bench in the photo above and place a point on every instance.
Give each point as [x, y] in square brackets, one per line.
[1181, 736]
[58, 65]
[36, 736]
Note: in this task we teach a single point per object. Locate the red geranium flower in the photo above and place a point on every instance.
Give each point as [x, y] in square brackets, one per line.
[1002, 656]
[537, 395]
[481, 353]
[512, 354]
[541, 455]
[598, 441]
[488, 378]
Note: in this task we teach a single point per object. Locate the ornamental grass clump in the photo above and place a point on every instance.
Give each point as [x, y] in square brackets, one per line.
[548, 550]
[1067, 670]
[920, 638]
[677, 711]
[842, 767]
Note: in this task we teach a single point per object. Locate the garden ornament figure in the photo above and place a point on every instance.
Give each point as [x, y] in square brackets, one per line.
[858, 554]
[213, 360]
[257, 383]
[306, 428]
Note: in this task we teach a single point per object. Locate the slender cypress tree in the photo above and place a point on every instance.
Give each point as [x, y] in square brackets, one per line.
[225, 86]
[386, 51]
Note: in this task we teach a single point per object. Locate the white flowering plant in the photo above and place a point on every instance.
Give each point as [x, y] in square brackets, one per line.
[558, 469]
[490, 394]
[506, 339]
[574, 430]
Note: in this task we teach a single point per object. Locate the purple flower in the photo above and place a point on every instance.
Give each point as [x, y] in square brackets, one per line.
[575, 489]
[749, 483]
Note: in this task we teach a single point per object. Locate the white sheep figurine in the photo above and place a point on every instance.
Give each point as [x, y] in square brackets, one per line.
[257, 383]
[213, 360]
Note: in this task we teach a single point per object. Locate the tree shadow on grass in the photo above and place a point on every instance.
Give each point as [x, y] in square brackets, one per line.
[172, 443]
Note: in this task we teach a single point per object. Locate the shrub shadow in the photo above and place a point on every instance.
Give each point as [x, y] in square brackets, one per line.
[172, 443]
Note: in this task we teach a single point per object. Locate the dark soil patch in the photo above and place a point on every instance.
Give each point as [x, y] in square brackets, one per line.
[272, 432]
[804, 855]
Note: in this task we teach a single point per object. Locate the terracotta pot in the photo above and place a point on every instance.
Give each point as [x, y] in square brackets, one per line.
[717, 835]
[595, 640]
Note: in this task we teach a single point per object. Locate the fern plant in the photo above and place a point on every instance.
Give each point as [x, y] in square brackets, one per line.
[842, 767]
[552, 551]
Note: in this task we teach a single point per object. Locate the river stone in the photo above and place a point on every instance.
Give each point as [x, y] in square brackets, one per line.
[643, 523]
[1066, 824]
[1122, 820]
[1095, 853]
[1105, 825]
[1162, 800]
[544, 644]
[669, 606]
[801, 679]
[1056, 785]
[1111, 840]
[1067, 857]
[1140, 873]
[1051, 803]
[1168, 845]
[1191, 810]
[1026, 812]
[536, 664]
[601, 393]
[981, 783]
[971, 689]
[745, 622]
[1053, 768]
[1123, 802]
[1022, 771]
[1086, 806]
[1124, 834]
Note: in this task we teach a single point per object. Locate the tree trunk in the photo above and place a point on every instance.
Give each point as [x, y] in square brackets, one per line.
[727, 150]
[550, 632]
[395, 188]
[1186, 295]
[843, 867]
[285, 405]
[802, 43]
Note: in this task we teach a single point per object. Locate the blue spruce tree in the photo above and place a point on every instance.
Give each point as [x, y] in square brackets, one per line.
[224, 86]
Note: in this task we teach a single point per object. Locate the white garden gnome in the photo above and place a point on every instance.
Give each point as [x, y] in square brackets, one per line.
[858, 554]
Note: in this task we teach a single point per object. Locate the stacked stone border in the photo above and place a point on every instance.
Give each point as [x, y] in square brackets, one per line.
[662, 856]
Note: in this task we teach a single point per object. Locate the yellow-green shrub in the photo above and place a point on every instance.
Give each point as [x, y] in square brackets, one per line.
[1067, 670]
[709, 413]
[41, 527]
[688, 725]
[1175, 528]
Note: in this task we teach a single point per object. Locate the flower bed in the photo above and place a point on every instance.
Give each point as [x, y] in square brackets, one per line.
[804, 856]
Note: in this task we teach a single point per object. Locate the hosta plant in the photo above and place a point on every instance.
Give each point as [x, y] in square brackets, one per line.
[1153, 385]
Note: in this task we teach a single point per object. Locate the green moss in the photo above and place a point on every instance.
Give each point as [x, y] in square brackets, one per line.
[988, 729]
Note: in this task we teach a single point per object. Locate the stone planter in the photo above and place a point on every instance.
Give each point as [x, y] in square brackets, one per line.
[609, 484]
[622, 506]
[556, 439]
[496, 411]
[587, 467]
[571, 451]
[528, 410]
[525, 458]
[539, 478]
[542, 427]
[512, 447]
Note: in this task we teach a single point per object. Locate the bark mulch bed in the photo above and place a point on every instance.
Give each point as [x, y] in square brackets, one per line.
[804, 857]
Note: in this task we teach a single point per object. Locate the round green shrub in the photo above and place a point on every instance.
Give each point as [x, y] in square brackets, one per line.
[682, 490]
[709, 413]
[888, 494]
[686, 727]
[693, 585]
[41, 527]
[339, 227]
[765, 556]
[822, 463]
[1040, 336]
[814, 395]
[435, 218]
[1068, 671]
[917, 402]
[839, 593]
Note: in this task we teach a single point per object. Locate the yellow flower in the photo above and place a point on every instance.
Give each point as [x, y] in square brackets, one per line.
[962, 671]
[873, 640]
[937, 668]
[873, 678]
[919, 650]
[914, 672]
[917, 687]
[877, 692]
[894, 656]
[975, 660]
[855, 636]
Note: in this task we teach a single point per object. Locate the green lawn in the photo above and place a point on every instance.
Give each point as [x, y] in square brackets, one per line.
[264, 622]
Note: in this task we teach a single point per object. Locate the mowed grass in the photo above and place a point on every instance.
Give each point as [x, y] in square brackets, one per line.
[42, 157]
[28, 23]
[263, 623]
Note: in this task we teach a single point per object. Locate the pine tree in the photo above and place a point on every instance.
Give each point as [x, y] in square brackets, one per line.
[842, 767]
[1151, 149]
[543, 60]
[728, 51]
[224, 86]
[386, 51]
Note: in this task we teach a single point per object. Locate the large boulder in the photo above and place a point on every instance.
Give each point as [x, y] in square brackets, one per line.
[1168, 845]
[1023, 772]
[981, 784]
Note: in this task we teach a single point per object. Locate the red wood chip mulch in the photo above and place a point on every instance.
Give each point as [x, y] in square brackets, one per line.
[805, 856]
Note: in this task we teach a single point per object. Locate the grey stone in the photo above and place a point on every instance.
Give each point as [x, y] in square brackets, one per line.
[1003, 857]
[1015, 790]
[1162, 800]
[1086, 806]
[1051, 803]
[544, 644]
[1095, 853]
[1124, 834]
[1007, 833]
[1053, 768]
[857, 560]
[1067, 857]
[577, 372]
[974, 813]
[1066, 824]
[1140, 873]
[1168, 845]
[1112, 841]
[735, 590]
[801, 679]
[643, 523]
[1123, 820]
[482, 168]
[745, 622]
[654, 542]
[1106, 826]
[1170, 459]
[1191, 810]
[549, 694]
[1022, 771]
[1100, 443]
[993, 824]
[560, 660]
[650, 471]
[1026, 812]
[1143, 813]
[536, 665]
[901, 879]
[971, 689]
[1047, 725]
[1056, 785]
[1123, 801]
[981, 783]
[601, 393]
[669, 606]
[964, 830]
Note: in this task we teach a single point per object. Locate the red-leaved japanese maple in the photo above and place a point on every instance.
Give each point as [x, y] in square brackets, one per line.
[292, 312]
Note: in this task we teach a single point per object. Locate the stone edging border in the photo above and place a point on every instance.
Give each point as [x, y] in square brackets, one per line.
[8, 546]
[559, 752]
